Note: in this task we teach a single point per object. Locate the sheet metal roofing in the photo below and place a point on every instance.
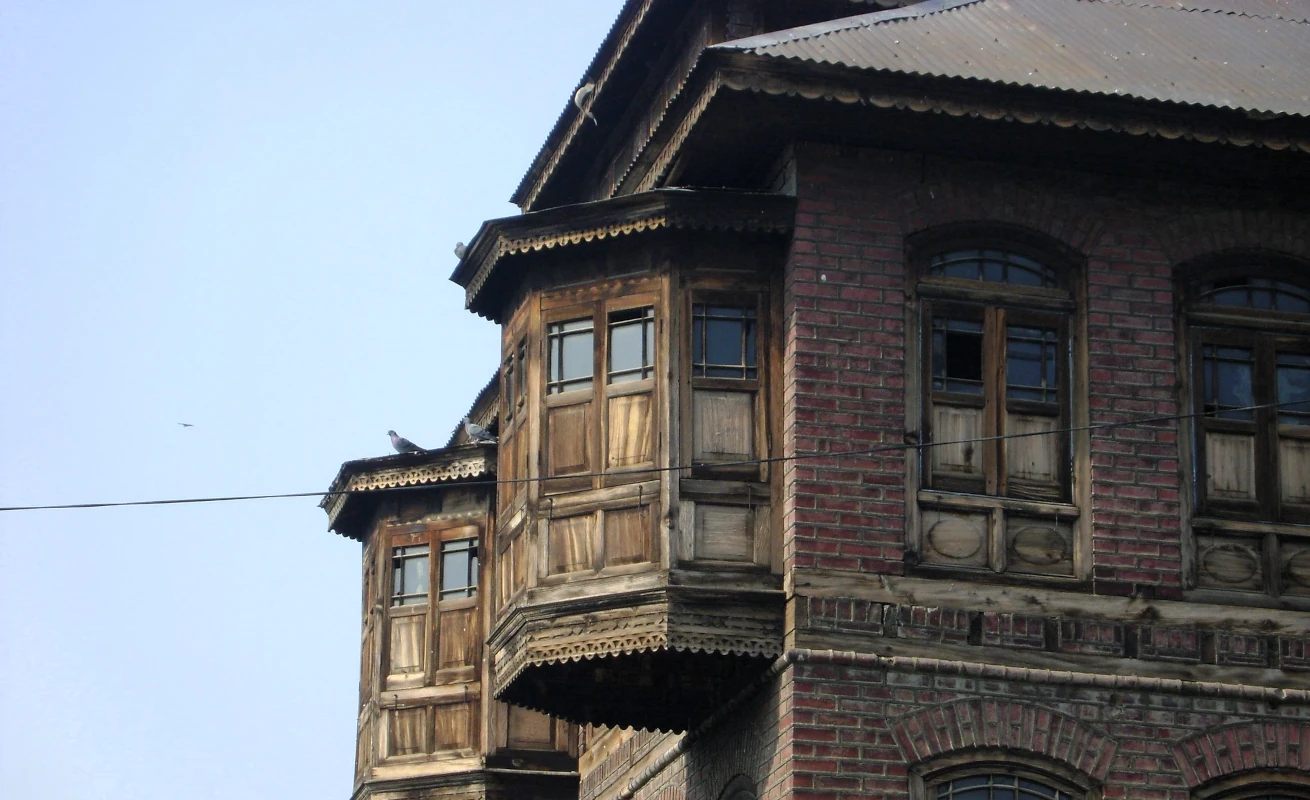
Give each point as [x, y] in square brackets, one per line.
[1247, 55]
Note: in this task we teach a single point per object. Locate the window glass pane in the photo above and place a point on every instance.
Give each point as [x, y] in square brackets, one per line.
[992, 266]
[1294, 389]
[1227, 377]
[631, 346]
[957, 356]
[1031, 356]
[1263, 294]
[723, 342]
[459, 568]
[997, 787]
[409, 575]
[571, 348]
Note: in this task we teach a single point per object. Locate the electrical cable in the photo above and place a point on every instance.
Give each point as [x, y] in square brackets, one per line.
[880, 449]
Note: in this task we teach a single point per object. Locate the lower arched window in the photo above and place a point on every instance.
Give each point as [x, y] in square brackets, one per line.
[989, 774]
[996, 787]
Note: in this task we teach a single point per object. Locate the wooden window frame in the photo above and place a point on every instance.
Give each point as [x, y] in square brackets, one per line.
[429, 672]
[760, 301]
[925, 777]
[599, 473]
[994, 400]
[1265, 536]
[1003, 511]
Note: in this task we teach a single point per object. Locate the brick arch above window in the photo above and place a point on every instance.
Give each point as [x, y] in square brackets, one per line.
[975, 727]
[1237, 754]
[943, 204]
[1188, 237]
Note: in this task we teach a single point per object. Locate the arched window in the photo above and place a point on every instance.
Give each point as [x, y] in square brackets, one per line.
[997, 775]
[1270, 784]
[1248, 342]
[996, 787]
[997, 318]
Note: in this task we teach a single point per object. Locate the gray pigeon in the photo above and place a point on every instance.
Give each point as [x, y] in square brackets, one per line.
[404, 445]
[580, 98]
[460, 249]
[476, 433]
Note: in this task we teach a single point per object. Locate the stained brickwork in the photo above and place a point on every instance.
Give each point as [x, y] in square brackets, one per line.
[845, 316]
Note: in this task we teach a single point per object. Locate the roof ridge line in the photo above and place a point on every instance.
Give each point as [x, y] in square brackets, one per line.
[1166, 6]
[922, 9]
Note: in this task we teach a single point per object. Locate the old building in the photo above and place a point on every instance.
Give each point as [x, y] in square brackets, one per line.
[897, 399]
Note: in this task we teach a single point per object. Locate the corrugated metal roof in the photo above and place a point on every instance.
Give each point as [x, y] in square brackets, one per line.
[1248, 55]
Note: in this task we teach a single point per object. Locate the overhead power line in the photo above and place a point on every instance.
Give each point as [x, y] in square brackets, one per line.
[871, 451]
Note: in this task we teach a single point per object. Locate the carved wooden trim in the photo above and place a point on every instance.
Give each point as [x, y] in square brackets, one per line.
[402, 476]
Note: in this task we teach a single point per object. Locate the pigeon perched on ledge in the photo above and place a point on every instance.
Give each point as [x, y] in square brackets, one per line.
[460, 249]
[477, 434]
[404, 445]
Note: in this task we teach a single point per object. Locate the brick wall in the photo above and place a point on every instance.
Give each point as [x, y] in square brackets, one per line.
[845, 314]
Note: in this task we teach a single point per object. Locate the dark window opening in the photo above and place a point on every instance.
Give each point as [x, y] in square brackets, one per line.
[459, 569]
[631, 345]
[409, 575]
[570, 345]
[957, 356]
[723, 342]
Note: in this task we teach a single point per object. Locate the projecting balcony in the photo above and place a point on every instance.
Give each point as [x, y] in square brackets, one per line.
[635, 558]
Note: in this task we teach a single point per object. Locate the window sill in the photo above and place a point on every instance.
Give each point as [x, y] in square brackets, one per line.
[1251, 527]
[930, 497]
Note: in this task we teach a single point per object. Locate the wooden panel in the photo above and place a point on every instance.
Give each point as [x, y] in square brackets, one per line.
[453, 726]
[364, 744]
[457, 638]
[724, 533]
[1032, 458]
[1294, 470]
[628, 536]
[954, 538]
[723, 425]
[1039, 546]
[570, 544]
[519, 556]
[407, 731]
[951, 424]
[1229, 563]
[567, 436]
[630, 431]
[530, 730]
[1294, 556]
[1230, 461]
[407, 644]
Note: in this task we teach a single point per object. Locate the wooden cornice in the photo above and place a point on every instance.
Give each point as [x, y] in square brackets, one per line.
[360, 483]
[500, 240]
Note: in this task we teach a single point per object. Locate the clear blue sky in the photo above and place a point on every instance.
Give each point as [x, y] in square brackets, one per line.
[238, 215]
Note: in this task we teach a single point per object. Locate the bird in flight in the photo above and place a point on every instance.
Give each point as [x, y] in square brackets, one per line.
[186, 424]
[404, 445]
[580, 98]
